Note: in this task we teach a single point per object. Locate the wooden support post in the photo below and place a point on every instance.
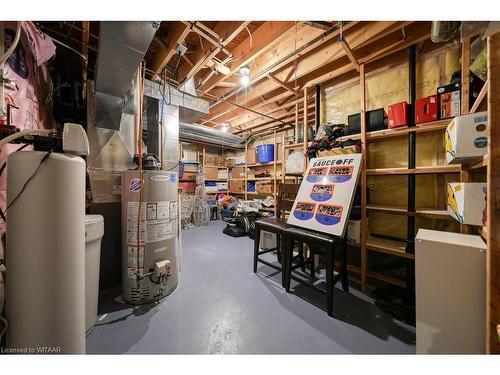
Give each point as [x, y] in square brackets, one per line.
[493, 173]
[364, 151]
[246, 171]
[283, 155]
[304, 120]
[275, 171]
[464, 171]
[297, 123]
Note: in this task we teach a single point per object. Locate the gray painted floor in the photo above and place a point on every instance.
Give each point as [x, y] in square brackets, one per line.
[221, 306]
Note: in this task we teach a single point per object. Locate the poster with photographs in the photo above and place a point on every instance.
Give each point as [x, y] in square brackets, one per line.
[326, 194]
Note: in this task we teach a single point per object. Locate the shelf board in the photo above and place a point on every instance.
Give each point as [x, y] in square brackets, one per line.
[481, 163]
[294, 174]
[263, 164]
[236, 192]
[255, 193]
[431, 213]
[261, 178]
[375, 276]
[294, 145]
[216, 179]
[237, 179]
[398, 132]
[450, 168]
[215, 166]
[391, 247]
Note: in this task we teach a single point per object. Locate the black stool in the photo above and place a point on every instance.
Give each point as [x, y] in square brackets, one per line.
[278, 226]
[320, 242]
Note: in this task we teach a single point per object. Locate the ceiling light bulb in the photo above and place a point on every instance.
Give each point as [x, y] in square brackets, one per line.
[245, 80]
[245, 70]
[224, 127]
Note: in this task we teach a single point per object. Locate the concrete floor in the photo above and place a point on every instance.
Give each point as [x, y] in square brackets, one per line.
[222, 307]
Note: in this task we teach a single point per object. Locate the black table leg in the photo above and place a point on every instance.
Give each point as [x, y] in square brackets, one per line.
[343, 267]
[288, 253]
[256, 245]
[329, 279]
[284, 258]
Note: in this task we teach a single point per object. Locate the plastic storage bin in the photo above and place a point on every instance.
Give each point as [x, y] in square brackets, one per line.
[265, 153]
[251, 187]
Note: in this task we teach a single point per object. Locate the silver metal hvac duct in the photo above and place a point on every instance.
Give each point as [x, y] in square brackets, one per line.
[206, 135]
[122, 46]
[443, 31]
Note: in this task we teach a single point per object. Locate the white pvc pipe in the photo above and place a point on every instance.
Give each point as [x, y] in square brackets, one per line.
[20, 134]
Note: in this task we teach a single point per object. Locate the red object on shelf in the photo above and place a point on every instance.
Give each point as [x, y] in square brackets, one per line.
[398, 115]
[426, 109]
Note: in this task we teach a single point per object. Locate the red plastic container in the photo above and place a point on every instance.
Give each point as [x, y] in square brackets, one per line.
[398, 115]
[426, 109]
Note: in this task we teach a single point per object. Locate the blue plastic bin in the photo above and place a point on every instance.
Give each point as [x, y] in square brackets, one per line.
[251, 187]
[265, 153]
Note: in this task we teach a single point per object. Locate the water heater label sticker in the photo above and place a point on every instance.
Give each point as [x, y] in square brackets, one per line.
[160, 178]
[158, 231]
[151, 211]
[132, 256]
[163, 210]
[173, 210]
[132, 217]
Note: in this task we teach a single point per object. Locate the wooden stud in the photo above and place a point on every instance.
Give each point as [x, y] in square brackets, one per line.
[493, 173]
[297, 123]
[285, 85]
[176, 36]
[480, 98]
[364, 151]
[267, 35]
[464, 172]
[349, 52]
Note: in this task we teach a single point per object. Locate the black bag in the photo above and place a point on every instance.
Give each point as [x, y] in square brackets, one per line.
[375, 120]
[234, 231]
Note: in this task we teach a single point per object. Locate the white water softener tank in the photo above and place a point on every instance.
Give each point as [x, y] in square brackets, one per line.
[94, 230]
[152, 272]
[45, 254]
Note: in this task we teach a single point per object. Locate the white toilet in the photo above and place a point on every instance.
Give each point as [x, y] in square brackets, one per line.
[94, 230]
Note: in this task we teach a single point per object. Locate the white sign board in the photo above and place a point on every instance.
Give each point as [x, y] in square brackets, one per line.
[326, 194]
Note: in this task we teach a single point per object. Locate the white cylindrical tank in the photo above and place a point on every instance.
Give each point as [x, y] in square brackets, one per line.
[159, 235]
[94, 230]
[45, 255]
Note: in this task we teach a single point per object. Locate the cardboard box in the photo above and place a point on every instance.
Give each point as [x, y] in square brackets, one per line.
[466, 137]
[398, 114]
[230, 162]
[449, 100]
[264, 187]
[236, 186]
[466, 202]
[354, 231]
[222, 174]
[251, 156]
[211, 173]
[238, 172]
[426, 109]
[222, 186]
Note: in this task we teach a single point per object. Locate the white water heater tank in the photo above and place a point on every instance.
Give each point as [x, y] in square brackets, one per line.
[45, 256]
[149, 263]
